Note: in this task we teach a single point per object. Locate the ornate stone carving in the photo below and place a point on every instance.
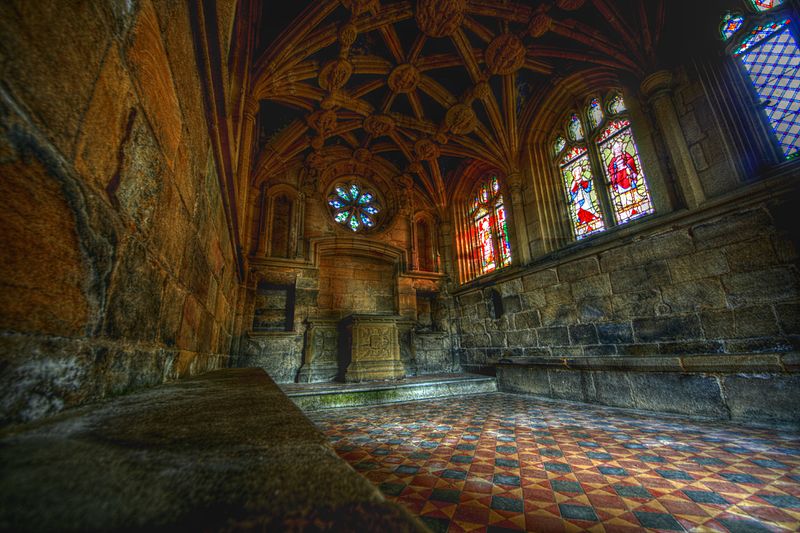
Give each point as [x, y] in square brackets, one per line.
[357, 7]
[378, 125]
[374, 348]
[362, 155]
[540, 24]
[426, 149]
[416, 167]
[334, 75]
[569, 5]
[505, 54]
[315, 160]
[323, 122]
[481, 90]
[347, 35]
[404, 78]
[317, 142]
[461, 119]
[440, 18]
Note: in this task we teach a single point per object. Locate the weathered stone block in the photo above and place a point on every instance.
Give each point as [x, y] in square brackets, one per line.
[634, 304]
[755, 254]
[512, 304]
[594, 309]
[761, 286]
[583, 334]
[568, 384]
[690, 347]
[614, 333]
[576, 270]
[678, 393]
[553, 336]
[757, 321]
[561, 314]
[611, 388]
[735, 228]
[599, 350]
[539, 280]
[529, 380]
[704, 264]
[763, 397]
[694, 295]
[525, 338]
[789, 317]
[592, 287]
[667, 328]
[527, 320]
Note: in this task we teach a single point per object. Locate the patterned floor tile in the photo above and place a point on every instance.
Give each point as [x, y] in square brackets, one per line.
[503, 462]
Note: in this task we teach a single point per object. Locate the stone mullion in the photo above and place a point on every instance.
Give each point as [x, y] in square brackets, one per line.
[518, 230]
[658, 89]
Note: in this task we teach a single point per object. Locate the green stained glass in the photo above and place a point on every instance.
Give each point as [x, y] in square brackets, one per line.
[354, 206]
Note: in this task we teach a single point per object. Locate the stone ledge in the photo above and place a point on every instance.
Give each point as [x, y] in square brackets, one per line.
[224, 450]
[719, 363]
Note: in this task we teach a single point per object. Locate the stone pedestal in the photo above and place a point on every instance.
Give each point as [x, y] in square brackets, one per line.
[321, 354]
[374, 347]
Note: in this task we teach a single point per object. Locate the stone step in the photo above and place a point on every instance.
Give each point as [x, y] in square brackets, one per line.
[313, 396]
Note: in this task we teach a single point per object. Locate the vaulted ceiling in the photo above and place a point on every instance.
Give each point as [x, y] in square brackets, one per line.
[417, 86]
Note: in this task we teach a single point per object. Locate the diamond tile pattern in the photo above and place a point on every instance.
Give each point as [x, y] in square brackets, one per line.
[571, 467]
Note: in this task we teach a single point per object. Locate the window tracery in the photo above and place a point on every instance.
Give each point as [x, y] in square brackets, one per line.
[606, 149]
[765, 44]
[489, 227]
[354, 205]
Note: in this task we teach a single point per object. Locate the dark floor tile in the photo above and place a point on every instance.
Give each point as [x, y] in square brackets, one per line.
[741, 478]
[506, 449]
[454, 474]
[461, 459]
[768, 463]
[577, 512]
[561, 485]
[658, 521]
[632, 491]
[446, 495]
[612, 470]
[708, 461]
[436, 525]
[507, 463]
[406, 469]
[600, 456]
[392, 489]
[675, 475]
[557, 467]
[502, 503]
[502, 479]
[784, 501]
[742, 525]
[705, 496]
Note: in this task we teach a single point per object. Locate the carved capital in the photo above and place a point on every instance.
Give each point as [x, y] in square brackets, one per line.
[461, 119]
[334, 75]
[657, 84]
[426, 149]
[539, 25]
[378, 125]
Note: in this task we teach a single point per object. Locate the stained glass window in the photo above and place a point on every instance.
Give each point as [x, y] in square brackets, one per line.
[575, 128]
[616, 105]
[354, 206]
[771, 57]
[559, 144]
[490, 227]
[629, 196]
[766, 5]
[731, 23]
[595, 113]
[584, 207]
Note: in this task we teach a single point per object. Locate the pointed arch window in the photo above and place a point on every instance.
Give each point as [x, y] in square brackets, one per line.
[604, 182]
[765, 44]
[489, 227]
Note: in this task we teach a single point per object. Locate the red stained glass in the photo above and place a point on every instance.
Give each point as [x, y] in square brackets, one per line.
[490, 227]
[584, 208]
[630, 198]
[766, 5]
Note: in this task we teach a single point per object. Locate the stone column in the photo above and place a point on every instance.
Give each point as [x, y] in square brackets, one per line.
[243, 168]
[518, 229]
[657, 87]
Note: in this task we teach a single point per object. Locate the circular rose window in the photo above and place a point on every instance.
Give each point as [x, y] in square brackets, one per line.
[354, 206]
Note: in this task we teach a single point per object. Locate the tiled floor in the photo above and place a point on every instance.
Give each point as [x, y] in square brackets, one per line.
[502, 462]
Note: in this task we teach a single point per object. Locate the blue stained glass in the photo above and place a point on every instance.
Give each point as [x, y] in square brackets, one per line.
[773, 66]
[766, 5]
[341, 192]
[759, 33]
[731, 23]
[353, 206]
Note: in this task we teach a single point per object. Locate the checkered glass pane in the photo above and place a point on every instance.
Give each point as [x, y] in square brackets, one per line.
[774, 68]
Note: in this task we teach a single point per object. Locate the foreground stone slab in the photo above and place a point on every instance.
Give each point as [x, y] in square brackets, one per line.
[312, 396]
[225, 450]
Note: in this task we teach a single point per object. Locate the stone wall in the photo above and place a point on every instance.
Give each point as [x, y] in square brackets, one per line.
[714, 292]
[117, 269]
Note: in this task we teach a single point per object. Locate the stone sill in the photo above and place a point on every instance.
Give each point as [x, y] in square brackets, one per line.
[748, 195]
[716, 363]
[292, 333]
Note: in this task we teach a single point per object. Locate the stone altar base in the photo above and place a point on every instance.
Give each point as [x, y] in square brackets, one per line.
[374, 348]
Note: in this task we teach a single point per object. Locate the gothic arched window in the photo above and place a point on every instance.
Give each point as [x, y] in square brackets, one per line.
[599, 142]
[766, 45]
[489, 229]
